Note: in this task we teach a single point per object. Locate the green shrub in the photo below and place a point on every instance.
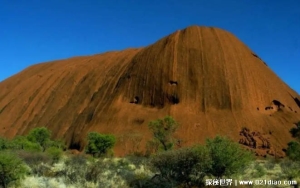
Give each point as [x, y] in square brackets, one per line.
[293, 151]
[270, 164]
[12, 169]
[4, 144]
[35, 160]
[40, 135]
[185, 166]
[259, 171]
[93, 173]
[228, 157]
[290, 169]
[22, 143]
[57, 144]
[142, 180]
[75, 169]
[99, 144]
[38, 139]
[188, 166]
[55, 153]
[163, 130]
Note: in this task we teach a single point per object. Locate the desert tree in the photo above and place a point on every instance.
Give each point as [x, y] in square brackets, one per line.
[163, 131]
[228, 157]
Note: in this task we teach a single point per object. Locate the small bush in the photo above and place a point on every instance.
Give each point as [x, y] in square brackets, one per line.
[12, 169]
[22, 143]
[270, 164]
[40, 135]
[99, 144]
[55, 153]
[163, 130]
[293, 151]
[228, 157]
[4, 144]
[141, 180]
[259, 171]
[186, 166]
[102, 172]
[57, 144]
[94, 171]
[290, 169]
[75, 169]
[35, 160]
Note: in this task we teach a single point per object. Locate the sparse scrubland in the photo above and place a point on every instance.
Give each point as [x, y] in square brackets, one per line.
[36, 161]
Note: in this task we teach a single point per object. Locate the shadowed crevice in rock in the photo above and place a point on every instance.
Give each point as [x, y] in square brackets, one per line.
[269, 108]
[173, 99]
[278, 104]
[75, 146]
[297, 100]
[175, 83]
[255, 55]
[89, 117]
[136, 100]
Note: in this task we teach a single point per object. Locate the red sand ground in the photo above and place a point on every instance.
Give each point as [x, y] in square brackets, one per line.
[204, 77]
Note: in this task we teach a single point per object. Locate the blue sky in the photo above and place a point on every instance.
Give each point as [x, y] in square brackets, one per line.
[35, 31]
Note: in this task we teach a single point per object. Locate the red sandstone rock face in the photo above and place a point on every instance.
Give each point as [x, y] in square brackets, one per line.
[207, 79]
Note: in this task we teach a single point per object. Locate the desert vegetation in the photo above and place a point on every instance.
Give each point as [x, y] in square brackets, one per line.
[163, 134]
[99, 144]
[35, 160]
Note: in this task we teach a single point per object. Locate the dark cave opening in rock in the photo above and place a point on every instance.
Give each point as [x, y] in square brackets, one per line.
[173, 99]
[75, 146]
[173, 82]
[136, 100]
[277, 103]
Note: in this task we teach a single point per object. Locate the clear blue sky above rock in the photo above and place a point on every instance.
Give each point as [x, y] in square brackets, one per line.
[35, 31]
